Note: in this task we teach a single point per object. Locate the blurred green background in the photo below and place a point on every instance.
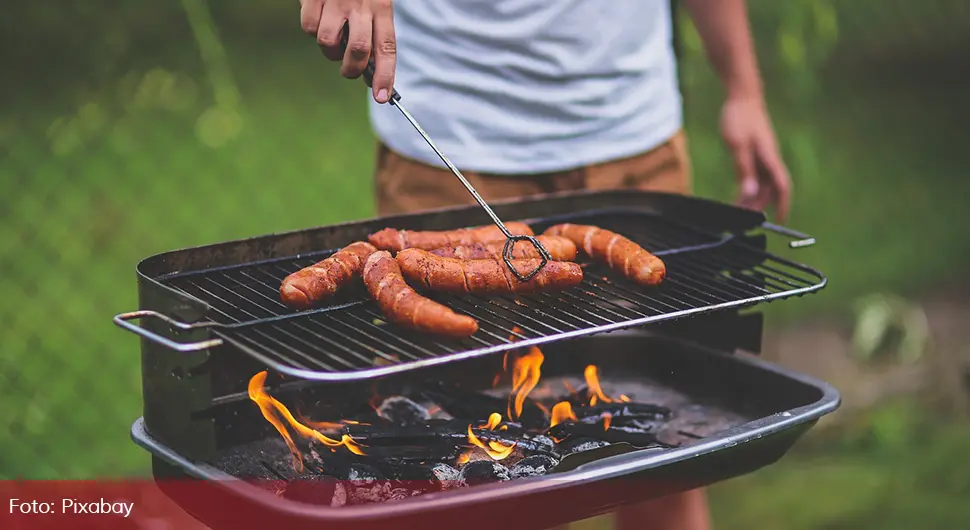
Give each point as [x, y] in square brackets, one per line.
[133, 128]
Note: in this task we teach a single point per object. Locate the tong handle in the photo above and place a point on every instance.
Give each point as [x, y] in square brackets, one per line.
[368, 74]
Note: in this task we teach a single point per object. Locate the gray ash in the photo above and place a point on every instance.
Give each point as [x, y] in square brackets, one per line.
[481, 472]
[583, 444]
[367, 485]
[545, 441]
[403, 411]
[532, 466]
[445, 473]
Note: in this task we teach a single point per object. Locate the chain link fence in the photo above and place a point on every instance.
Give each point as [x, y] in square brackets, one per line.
[129, 131]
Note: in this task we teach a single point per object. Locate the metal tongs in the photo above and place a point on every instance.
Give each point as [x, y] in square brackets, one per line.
[395, 101]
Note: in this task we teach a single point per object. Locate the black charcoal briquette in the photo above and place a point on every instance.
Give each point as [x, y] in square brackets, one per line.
[403, 411]
[482, 471]
[532, 466]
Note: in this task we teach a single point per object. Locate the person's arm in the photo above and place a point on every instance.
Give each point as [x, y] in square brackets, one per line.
[724, 29]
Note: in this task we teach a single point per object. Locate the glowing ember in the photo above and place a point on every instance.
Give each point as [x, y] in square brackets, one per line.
[624, 399]
[525, 375]
[270, 407]
[593, 385]
[561, 412]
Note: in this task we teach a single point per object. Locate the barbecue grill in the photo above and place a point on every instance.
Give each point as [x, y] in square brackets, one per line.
[211, 318]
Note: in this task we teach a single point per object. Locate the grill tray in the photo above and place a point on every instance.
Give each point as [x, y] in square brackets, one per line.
[775, 406]
[231, 291]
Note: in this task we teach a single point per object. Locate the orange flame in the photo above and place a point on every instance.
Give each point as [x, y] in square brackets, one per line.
[624, 398]
[607, 418]
[525, 375]
[561, 412]
[495, 450]
[494, 419]
[270, 406]
[265, 404]
[593, 384]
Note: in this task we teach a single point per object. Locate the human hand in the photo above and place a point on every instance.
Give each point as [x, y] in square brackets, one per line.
[762, 175]
[371, 25]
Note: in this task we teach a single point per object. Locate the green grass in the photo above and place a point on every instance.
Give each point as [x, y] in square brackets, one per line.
[880, 181]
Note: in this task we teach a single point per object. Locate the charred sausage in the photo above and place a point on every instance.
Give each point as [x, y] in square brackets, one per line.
[309, 285]
[484, 276]
[618, 252]
[403, 306]
[559, 248]
[396, 240]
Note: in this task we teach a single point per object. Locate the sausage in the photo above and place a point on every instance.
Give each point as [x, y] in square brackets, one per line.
[618, 252]
[403, 306]
[309, 285]
[559, 248]
[396, 240]
[484, 276]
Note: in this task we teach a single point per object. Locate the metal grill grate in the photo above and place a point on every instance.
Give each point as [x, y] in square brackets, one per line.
[349, 339]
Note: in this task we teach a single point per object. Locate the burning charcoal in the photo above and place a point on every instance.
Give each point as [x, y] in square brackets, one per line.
[621, 412]
[405, 434]
[532, 466]
[545, 442]
[436, 439]
[467, 404]
[403, 411]
[319, 490]
[410, 471]
[481, 472]
[614, 434]
[362, 473]
[580, 445]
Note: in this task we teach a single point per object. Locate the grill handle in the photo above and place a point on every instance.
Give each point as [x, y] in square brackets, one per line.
[123, 321]
[800, 240]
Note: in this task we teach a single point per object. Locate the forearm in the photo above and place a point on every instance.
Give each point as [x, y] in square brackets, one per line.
[724, 29]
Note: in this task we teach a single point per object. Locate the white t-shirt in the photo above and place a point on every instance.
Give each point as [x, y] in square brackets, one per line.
[532, 86]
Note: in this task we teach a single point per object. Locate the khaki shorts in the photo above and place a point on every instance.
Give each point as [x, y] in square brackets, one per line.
[404, 185]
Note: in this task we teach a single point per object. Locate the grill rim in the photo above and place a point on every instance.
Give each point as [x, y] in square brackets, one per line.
[757, 431]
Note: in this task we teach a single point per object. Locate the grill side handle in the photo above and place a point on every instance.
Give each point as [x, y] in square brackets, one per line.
[800, 240]
[124, 321]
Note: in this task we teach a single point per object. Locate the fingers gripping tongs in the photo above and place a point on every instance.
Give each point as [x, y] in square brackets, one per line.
[510, 241]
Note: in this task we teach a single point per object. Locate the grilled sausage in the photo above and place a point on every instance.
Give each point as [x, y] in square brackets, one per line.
[309, 285]
[484, 276]
[396, 240]
[403, 306]
[618, 252]
[559, 248]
